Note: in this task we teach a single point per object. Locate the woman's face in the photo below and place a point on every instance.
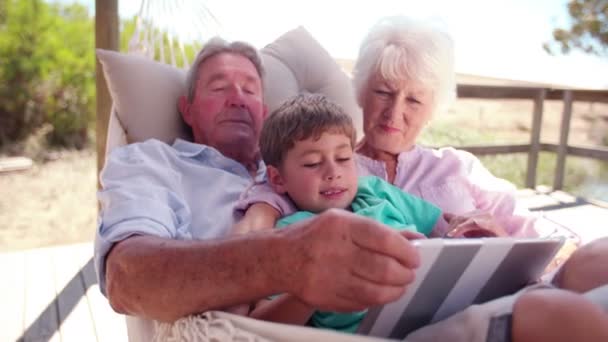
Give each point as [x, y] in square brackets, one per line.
[394, 114]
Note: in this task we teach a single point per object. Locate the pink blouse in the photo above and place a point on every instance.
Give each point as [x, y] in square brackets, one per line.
[454, 180]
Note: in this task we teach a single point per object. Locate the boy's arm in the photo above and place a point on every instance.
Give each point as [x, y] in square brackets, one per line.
[286, 308]
[259, 216]
[263, 192]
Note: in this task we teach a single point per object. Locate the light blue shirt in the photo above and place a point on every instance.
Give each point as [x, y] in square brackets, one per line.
[185, 192]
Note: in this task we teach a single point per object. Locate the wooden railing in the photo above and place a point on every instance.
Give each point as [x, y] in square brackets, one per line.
[539, 95]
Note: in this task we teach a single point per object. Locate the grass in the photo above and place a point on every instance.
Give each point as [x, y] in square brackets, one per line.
[477, 122]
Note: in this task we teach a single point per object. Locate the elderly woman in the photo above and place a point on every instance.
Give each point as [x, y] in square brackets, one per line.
[404, 75]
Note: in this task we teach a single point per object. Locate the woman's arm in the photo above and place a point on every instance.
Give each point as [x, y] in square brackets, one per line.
[496, 197]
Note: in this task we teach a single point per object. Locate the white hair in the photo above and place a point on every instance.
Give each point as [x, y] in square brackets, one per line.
[214, 47]
[402, 49]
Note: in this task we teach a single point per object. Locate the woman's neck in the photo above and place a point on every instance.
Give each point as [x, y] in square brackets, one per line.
[390, 160]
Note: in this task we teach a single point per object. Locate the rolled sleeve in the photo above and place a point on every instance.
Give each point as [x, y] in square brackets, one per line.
[497, 196]
[141, 196]
[107, 236]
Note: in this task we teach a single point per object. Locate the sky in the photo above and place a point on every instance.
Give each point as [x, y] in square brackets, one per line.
[493, 38]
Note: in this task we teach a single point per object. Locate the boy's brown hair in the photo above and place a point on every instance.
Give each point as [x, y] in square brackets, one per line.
[299, 118]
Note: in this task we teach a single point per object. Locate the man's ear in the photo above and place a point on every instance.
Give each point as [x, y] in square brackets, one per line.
[275, 179]
[184, 108]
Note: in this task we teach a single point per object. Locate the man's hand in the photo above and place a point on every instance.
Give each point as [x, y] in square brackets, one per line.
[344, 262]
[473, 225]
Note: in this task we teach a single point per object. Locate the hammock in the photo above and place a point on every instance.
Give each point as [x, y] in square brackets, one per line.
[157, 32]
[158, 36]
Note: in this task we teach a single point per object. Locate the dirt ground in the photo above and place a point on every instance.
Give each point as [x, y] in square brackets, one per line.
[55, 203]
[52, 203]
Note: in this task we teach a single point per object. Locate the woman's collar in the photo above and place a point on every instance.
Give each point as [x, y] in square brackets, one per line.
[400, 157]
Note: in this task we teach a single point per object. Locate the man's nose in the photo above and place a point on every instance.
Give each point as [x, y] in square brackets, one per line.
[236, 96]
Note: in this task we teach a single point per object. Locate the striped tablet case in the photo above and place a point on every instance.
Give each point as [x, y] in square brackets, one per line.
[456, 273]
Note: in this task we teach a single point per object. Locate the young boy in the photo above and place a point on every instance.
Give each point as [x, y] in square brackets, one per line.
[307, 145]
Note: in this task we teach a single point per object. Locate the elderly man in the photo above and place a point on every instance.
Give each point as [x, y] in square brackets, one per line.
[162, 250]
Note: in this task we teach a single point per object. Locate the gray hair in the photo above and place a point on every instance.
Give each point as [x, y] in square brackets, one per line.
[216, 46]
[399, 49]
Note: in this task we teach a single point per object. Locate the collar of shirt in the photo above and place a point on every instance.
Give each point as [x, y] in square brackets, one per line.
[212, 156]
[378, 167]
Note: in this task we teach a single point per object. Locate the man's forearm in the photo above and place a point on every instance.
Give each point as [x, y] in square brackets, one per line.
[166, 279]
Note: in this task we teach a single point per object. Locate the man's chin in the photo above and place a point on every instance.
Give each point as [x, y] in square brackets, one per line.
[242, 149]
[239, 139]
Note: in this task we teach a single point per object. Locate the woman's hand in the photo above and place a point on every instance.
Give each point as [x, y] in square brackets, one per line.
[474, 224]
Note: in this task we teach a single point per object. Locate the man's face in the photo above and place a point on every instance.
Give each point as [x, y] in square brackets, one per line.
[227, 110]
[318, 174]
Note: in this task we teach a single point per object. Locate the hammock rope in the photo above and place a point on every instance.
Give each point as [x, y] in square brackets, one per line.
[163, 29]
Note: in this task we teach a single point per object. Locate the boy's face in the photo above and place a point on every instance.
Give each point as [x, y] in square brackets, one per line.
[318, 174]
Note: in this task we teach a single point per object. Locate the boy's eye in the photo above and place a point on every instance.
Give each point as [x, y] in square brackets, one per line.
[343, 160]
[311, 165]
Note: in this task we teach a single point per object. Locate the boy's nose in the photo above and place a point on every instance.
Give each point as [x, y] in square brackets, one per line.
[332, 173]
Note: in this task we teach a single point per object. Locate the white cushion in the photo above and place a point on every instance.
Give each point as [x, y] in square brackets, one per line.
[145, 92]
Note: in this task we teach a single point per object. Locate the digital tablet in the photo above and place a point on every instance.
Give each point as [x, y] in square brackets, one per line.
[456, 273]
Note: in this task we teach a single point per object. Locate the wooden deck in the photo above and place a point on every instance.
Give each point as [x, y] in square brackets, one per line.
[51, 294]
[586, 219]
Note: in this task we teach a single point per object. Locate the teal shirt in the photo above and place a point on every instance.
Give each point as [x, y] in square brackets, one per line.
[383, 202]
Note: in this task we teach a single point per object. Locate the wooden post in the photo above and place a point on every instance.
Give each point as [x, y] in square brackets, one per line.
[562, 149]
[106, 37]
[537, 121]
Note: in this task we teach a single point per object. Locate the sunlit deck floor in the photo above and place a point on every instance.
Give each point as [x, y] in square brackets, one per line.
[51, 294]
[586, 218]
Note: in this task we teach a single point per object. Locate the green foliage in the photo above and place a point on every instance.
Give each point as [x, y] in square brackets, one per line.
[71, 106]
[583, 175]
[46, 71]
[588, 30]
[21, 67]
[127, 31]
